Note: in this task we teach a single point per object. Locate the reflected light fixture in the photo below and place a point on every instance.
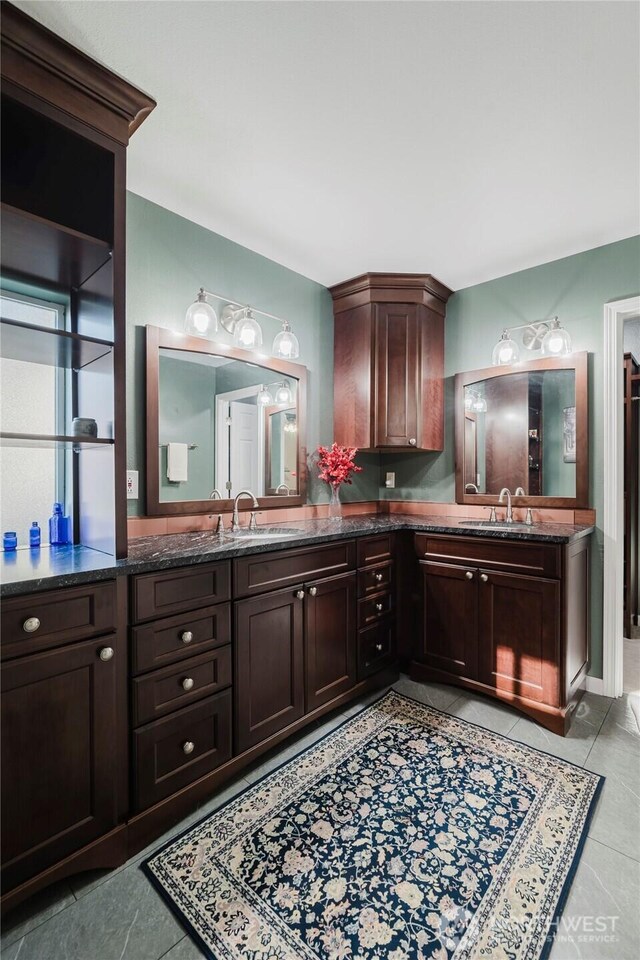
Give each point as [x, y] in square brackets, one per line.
[239, 321]
[283, 393]
[201, 319]
[285, 343]
[263, 397]
[290, 424]
[545, 335]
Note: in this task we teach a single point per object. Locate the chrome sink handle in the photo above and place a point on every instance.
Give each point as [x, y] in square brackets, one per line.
[492, 514]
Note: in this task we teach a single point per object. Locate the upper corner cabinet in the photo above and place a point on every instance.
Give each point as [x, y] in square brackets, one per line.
[389, 361]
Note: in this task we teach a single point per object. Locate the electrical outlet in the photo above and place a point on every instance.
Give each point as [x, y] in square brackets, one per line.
[390, 480]
[132, 484]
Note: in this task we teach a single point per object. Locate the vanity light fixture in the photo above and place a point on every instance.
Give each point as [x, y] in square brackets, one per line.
[263, 397]
[238, 320]
[546, 335]
[283, 393]
[290, 423]
[473, 402]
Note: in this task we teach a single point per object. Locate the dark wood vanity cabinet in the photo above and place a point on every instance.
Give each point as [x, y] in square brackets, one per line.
[389, 361]
[64, 753]
[508, 618]
[330, 638]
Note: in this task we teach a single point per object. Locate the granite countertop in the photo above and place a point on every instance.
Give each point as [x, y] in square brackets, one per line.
[26, 571]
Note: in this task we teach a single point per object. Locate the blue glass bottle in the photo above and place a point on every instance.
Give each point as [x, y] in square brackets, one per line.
[34, 534]
[58, 526]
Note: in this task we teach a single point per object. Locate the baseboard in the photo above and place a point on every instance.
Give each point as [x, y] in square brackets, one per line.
[595, 685]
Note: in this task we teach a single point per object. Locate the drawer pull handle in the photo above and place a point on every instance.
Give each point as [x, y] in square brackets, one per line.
[106, 653]
[188, 747]
[378, 577]
[469, 575]
[412, 441]
[313, 591]
[300, 594]
[484, 577]
[379, 647]
[188, 683]
[379, 607]
[187, 636]
[31, 624]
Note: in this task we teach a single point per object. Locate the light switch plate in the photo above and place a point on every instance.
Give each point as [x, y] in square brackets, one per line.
[132, 484]
[390, 480]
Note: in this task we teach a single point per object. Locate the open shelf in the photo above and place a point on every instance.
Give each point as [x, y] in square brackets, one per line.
[50, 440]
[55, 348]
[40, 250]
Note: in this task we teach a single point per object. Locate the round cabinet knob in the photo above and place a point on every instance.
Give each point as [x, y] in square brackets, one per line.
[469, 575]
[378, 577]
[187, 636]
[313, 591]
[379, 607]
[300, 594]
[484, 577]
[412, 442]
[31, 624]
[188, 747]
[379, 647]
[106, 653]
[188, 683]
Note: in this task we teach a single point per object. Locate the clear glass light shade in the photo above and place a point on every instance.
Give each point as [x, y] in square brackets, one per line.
[201, 320]
[283, 393]
[479, 405]
[285, 344]
[264, 397]
[248, 332]
[505, 351]
[556, 341]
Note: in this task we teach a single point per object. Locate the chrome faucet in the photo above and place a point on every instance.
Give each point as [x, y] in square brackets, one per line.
[509, 517]
[282, 486]
[519, 492]
[235, 518]
[215, 495]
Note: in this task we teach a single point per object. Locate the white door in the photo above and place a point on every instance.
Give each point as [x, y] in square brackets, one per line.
[244, 461]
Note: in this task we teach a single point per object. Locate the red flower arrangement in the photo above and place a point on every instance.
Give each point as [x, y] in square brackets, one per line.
[336, 464]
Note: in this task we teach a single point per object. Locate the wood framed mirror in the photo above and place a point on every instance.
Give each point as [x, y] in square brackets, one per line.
[221, 418]
[524, 427]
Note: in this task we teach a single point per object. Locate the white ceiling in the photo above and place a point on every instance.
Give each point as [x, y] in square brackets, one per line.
[467, 140]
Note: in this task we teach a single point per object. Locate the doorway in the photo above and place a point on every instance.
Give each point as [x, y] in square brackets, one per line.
[631, 470]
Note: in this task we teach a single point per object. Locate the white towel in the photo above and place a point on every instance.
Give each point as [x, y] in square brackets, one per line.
[177, 462]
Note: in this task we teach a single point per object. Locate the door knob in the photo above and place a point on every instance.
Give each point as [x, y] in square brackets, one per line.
[31, 624]
[187, 636]
[188, 747]
[188, 683]
[484, 577]
[300, 594]
[412, 442]
[313, 591]
[469, 575]
[106, 653]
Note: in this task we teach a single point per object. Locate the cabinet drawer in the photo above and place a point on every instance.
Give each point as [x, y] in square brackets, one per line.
[160, 594]
[162, 760]
[73, 613]
[270, 571]
[166, 641]
[376, 648]
[516, 556]
[375, 579]
[176, 686]
[373, 608]
[375, 549]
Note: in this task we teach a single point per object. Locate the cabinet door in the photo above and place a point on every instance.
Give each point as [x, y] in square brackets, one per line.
[519, 635]
[59, 721]
[330, 638]
[269, 666]
[397, 365]
[449, 618]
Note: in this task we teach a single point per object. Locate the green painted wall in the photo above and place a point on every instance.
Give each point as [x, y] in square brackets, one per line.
[168, 259]
[575, 289]
[558, 393]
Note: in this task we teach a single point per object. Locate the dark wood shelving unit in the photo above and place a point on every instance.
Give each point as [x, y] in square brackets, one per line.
[49, 346]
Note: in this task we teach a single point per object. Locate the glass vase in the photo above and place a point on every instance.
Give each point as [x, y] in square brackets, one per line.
[335, 507]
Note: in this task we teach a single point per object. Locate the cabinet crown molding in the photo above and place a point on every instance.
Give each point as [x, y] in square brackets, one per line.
[389, 288]
[42, 63]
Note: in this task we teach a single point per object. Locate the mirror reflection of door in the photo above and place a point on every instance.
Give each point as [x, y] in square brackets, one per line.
[239, 442]
[471, 453]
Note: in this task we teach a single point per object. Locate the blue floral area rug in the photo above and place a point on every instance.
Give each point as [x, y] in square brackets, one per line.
[405, 834]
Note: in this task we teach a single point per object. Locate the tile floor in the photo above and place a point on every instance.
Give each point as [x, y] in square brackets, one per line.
[116, 915]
